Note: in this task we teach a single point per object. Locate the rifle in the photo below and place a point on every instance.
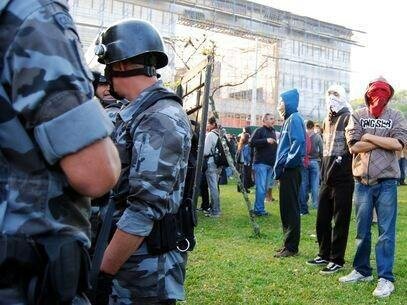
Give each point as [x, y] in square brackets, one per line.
[101, 243]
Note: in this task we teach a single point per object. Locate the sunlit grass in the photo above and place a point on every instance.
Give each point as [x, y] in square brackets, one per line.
[230, 266]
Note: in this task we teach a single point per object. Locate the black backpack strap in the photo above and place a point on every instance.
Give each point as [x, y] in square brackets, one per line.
[213, 149]
[151, 100]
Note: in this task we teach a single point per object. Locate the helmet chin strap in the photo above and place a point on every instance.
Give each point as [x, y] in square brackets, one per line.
[146, 70]
[110, 73]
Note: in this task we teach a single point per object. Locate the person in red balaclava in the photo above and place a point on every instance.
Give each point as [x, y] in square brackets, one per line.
[377, 96]
[374, 134]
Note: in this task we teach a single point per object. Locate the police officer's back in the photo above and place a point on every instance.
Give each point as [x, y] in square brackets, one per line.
[47, 163]
[154, 144]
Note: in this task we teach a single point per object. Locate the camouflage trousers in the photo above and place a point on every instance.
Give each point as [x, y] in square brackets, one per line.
[150, 279]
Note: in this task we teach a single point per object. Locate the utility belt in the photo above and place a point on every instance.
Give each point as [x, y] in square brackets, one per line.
[167, 235]
[51, 270]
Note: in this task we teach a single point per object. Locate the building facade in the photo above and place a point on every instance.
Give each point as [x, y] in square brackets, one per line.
[260, 51]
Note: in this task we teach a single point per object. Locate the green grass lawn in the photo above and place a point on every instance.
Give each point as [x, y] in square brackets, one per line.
[230, 266]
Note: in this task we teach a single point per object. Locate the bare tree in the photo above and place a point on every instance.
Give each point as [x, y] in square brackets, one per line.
[209, 48]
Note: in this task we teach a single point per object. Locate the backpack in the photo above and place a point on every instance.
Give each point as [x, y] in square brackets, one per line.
[218, 154]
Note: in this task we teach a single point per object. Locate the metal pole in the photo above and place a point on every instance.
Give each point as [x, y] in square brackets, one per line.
[202, 130]
[253, 109]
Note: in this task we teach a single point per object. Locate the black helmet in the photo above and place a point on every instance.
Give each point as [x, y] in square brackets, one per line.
[129, 39]
[98, 78]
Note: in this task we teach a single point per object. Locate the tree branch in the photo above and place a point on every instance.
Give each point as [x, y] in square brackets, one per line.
[261, 67]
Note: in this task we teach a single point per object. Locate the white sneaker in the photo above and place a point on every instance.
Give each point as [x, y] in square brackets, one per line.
[354, 277]
[384, 288]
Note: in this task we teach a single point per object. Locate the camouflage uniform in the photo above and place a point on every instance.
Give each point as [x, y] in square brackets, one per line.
[151, 185]
[46, 104]
[113, 109]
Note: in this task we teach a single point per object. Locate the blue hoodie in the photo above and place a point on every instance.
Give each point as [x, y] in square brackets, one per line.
[291, 147]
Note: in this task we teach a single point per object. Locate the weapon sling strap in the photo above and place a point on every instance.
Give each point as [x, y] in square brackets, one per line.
[101, 242]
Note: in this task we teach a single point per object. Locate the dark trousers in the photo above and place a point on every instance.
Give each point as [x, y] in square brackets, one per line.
[402, 164]
[245, 172]
[247, 176]
[333, 218]
[205, 205]
[290, 182]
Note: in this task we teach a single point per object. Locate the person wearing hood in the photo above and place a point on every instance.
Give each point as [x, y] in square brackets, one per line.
[374, 134]
[335, 194]
[287, 169]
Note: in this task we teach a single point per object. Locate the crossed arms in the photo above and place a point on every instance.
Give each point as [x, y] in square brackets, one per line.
[370, 142]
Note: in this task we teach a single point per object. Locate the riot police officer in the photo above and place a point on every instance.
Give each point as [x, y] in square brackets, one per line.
[101, 87]
[153, 137]
[48, 165]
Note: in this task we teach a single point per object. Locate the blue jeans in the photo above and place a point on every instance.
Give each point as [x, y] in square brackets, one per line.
[309, 183]
[212, 177]
[382, 197]
[263, 174]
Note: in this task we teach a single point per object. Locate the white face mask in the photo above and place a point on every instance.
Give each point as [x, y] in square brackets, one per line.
[334, 103]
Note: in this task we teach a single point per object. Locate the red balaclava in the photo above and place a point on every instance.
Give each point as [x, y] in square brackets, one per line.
[378, 95]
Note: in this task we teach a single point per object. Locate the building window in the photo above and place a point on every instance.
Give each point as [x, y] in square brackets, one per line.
[128, 10]
[156, 17]
[146, 13]
[317, 53]
[303, 82]
[323, 51]
[117, 8]
[303, 49]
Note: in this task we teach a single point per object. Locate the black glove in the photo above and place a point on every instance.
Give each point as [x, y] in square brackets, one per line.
[99, 295]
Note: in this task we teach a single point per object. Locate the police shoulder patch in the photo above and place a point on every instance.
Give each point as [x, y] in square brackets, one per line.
[64, 21]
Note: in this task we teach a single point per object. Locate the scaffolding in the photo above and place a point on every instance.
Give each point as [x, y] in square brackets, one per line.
[280, 50]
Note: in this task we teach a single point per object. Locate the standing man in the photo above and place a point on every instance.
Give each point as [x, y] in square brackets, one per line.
[48, 165]
[374, 134]
[335, 197]
[310, 171]
[212, 171]
[290, 154]
[153, 136]
[264, 142]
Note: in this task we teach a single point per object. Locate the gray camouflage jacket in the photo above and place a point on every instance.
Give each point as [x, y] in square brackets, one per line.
[46, 104]
[150, 186]
[155, 171]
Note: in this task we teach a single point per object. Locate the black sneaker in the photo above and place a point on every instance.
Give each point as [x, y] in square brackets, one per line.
[280, 250]
[261, 214]
[207, 211]
[318, 261]
[331, 268]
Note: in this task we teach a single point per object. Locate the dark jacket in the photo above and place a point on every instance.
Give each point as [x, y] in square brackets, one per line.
[264, 152]
[336, 166]
[316, 147]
